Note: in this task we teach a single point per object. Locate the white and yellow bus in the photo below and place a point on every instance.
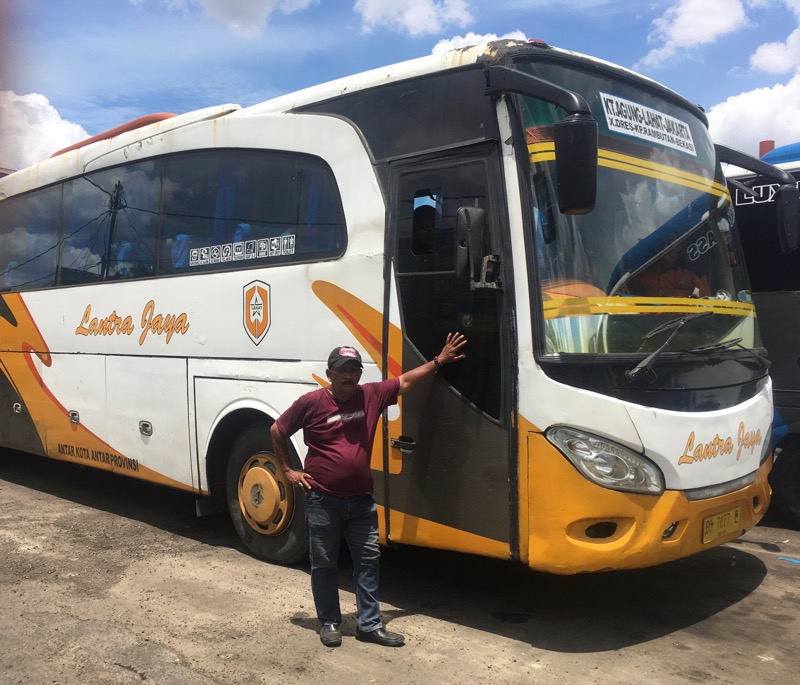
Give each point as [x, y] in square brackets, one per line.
[170, 287]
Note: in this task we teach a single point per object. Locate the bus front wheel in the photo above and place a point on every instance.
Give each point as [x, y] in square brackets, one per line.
[267, 512]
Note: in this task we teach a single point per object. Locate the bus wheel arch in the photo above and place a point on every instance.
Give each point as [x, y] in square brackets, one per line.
[267, 512]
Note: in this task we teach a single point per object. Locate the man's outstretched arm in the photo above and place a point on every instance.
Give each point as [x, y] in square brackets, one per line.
[451, 352]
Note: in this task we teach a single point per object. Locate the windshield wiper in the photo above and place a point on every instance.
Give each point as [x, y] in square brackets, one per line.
[715, 347]
[763, 362]
[674, 325]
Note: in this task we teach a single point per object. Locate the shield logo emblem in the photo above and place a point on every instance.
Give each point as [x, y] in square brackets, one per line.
[256, 310]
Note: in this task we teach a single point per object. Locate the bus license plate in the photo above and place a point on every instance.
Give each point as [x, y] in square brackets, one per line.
[719, 525]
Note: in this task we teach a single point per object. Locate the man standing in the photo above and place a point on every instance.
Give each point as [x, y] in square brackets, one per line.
[339, 424]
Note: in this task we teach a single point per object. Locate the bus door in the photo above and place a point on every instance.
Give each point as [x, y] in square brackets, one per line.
[447, 476]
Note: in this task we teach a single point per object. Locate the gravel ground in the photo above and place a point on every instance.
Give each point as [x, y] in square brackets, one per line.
[107, 580]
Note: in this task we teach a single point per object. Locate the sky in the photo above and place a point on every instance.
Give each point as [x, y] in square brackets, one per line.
[74, 68]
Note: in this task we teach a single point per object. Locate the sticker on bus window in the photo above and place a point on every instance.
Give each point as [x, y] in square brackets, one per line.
[757, 195]
[248, 249]
[632, 119]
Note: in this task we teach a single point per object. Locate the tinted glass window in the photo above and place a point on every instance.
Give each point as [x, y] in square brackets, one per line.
[756, 216]
[202, 210]
[29, 240]
[435, 300]
[228, 206]
[418, 114]
[111, 224]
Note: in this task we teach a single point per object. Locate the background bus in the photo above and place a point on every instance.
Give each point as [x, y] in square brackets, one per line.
[172, 286]
[775, 278]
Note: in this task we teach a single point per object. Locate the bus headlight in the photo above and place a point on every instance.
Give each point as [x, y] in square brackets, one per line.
[607, 463]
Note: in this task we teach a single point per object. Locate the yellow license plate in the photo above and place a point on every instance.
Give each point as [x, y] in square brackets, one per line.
[722, 524]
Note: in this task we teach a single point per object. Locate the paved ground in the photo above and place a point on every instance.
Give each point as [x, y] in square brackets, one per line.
[109, 581]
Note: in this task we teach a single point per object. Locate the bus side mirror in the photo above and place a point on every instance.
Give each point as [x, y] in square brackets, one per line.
[787, 199]
[472, 257]
[788, 210]
[575, 137]
[470, 226]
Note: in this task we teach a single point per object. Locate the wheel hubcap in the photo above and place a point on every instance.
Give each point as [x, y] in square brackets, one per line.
[265, 496]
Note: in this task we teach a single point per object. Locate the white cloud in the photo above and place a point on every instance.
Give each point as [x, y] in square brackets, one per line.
[31, 129]
[777, 57]
[246, 18]
[417, 17]
[742, 121]
[690, 23]
[769, 113]
[473, 39]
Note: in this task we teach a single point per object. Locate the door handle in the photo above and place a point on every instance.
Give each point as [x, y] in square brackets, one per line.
[405, 444]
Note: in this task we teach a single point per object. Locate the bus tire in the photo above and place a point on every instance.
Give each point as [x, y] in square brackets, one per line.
[267, 512]
[785, 480]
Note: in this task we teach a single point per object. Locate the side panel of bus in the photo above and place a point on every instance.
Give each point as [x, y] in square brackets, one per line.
[108, 382]
[775, 280]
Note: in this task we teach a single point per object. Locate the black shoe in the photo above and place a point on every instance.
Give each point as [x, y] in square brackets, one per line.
[380, 636]
[329, 635]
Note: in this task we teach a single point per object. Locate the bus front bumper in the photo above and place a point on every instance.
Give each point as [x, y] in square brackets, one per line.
[576, 526]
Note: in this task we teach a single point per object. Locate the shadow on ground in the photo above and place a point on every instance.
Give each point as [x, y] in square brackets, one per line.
[164, 508]
[572, 614]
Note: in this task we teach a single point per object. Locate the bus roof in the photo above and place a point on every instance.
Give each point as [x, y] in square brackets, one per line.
[141, 122]
[483, 53]
[72, 161]
[783, 154]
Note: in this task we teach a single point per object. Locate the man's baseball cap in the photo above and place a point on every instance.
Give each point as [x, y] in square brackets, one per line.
[342, 355]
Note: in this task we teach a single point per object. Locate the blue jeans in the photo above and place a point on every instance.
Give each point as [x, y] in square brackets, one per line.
[330, 518]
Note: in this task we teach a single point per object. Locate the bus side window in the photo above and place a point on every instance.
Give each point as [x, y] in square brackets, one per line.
[423, 233]
[433, 300]
[110, 224]
[28, 236]
[11, 276]
[244, 208]
[179, 250]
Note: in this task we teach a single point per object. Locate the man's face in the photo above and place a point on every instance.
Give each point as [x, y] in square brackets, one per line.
[344, 379]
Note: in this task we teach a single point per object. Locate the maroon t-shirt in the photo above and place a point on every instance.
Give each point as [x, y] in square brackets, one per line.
[339, 436]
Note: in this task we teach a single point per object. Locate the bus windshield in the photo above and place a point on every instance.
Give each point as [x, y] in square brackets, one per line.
[658, 243]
